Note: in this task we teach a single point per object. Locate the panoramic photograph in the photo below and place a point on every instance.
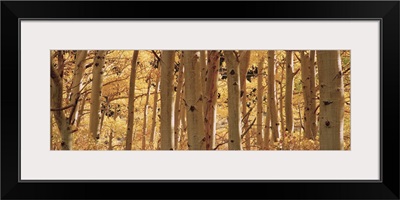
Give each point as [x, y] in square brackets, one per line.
[258, 100]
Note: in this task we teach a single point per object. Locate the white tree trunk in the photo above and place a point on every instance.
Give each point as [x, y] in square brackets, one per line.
[289, 92]
[194, 101]
[267, 128]
[313, 95]
[271, 95]
[96, 92]
[234, 125]
[56, 103]
[178, 100]
[154, 116]
[260, 92]
[210, 110]
[244, 66]
[331, 100]
[183, 137]
[131, 101]
[145, 112]
[167, 89]
[76, 82]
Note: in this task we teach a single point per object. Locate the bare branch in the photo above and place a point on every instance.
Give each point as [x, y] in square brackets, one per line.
[63, 108]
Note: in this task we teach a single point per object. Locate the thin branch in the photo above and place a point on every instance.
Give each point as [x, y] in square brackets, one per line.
[216, 147]
[294, 74]
[63, 108]
[297, 57]
[252, 123]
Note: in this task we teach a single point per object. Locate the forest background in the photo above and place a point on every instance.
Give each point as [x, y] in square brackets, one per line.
[128, 86]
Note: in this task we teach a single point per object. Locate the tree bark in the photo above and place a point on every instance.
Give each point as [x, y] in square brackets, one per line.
[210, 110]
[233, 72]
[244, 66]
[167, 89]
[282, 121]
[184, 145]
[272, 96]
[203, 66]
[289, 92]
[81, 108]
[131, 101]
[96, 93]
[145, 113]
[107, 103]
[305, 78]
[194, 101]
[56, 102]
[260, 91]
[154, 117]
[313, 95]
[178, 99]
[267, 129]
[76, 83]
[110, 139]
[331, 101]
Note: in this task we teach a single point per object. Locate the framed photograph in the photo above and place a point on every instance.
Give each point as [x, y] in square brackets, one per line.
[115, 97]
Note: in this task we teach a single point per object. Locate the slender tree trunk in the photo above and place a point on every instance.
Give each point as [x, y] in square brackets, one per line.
[178, 99]
[131, 101]
[313, 95]
[110, 139]
[154, 116]
[210, 109]
[289, 92]
[56, 102]
[267, 129]
[233, 72]
[183, 120]
[96, 92]
[76, 83]
[145, 113]
[102, 117]
[272, 96]
[305, 78]
[282, 121]
[203, 66]
[167, 89]
[244, 66]
[81, 108]
[260, 92]
[194, 101]
[331, 101]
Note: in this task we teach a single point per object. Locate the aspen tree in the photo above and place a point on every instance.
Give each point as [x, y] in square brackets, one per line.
[313, 95]
[331, 100]
[131, 101]
[194, 101]
[145, 113]
[305, 80]
[289, 92]
[178, 100]
[272, 95]
[154, 116]
[210, 109]
[56, 103]
[167, 89]
[99, 60]
[234, 125]
[76, 83]
[260, 92]
[244, 66]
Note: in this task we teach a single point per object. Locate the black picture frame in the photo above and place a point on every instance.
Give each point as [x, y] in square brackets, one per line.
[386, 11]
